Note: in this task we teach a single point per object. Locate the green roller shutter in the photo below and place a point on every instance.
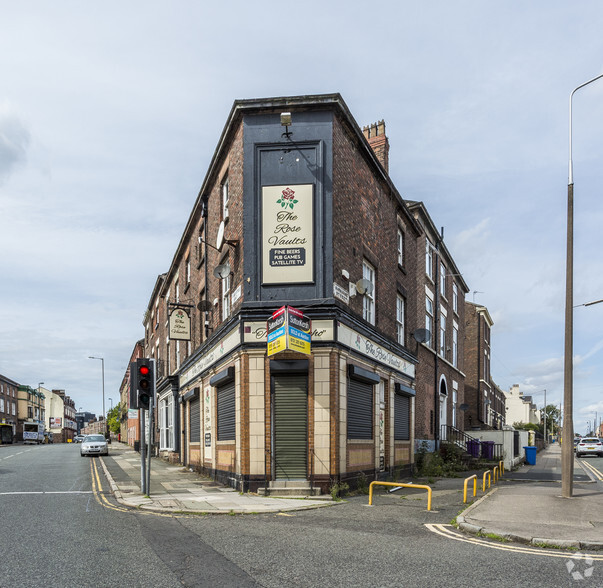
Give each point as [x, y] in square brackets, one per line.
[290, 426]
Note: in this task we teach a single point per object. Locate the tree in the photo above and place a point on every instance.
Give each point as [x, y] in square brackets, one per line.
[527, 427]
[114, 418]
[553, 418]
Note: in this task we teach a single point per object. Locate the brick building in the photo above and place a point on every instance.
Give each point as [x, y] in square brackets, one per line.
[8, 409]
[60, 416]
[440, 293]
[296, 210]
[485, 400]
[30, 408]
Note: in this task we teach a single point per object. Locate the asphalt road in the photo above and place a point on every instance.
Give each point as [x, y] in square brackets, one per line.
[60, 527]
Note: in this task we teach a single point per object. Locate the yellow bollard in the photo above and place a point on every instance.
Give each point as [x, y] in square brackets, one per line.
[474, 478]
[489, 474]
[495, 474]
[399, 485]
[501, 463]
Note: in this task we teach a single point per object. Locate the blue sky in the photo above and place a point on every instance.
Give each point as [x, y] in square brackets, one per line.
[109, 115]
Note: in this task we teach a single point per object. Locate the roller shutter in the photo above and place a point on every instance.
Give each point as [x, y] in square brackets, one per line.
[401, 417]
[290, 426]
[226, 412]
[360, 409]
[195, 431]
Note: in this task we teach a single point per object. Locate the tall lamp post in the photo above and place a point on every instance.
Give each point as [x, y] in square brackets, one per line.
[567, 450]
[103, 372]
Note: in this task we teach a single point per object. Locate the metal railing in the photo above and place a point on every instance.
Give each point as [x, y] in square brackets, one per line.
[456, 436]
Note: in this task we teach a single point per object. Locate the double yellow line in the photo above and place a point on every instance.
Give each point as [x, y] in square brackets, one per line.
[97, 489]
[592, 469]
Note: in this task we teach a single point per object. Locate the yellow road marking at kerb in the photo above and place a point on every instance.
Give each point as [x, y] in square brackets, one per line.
[97, 489]
[592, 469]
[446, 531]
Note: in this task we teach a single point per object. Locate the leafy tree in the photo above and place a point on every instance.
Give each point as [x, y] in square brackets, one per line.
[528, 427]
[553, 418]
[113, 418]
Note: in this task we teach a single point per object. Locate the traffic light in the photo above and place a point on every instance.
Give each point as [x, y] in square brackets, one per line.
[145, 382]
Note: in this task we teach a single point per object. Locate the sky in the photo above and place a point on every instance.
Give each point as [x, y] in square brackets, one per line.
[110, 114]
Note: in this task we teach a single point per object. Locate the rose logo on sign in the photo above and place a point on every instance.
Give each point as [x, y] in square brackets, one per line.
[287, 198]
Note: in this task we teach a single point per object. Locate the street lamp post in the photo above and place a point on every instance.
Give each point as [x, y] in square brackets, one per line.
[103, 374]
[567, 450]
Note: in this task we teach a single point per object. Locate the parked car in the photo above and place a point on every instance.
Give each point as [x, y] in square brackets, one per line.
[78, 438]
[576, 441]
[94, 445]
[589, 446]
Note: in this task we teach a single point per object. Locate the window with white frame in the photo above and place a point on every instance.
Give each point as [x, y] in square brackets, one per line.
[455, 298]
[429, 259]
[188, 271]
[455, 397]
[429, 319]
[455, 345]
[225, 199]
[442, 334]
[442, 280]
[400, 319]
[1, 404]
[14, 409]
[368, 300]
[225, 297]
[400, 248]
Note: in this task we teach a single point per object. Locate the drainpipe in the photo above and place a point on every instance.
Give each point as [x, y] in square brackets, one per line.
[436, 328]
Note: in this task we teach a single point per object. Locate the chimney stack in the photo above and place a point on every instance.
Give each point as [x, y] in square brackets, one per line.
[375, 135]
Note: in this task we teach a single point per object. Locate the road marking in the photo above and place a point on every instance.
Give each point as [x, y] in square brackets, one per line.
[592, 469]
[446, 531]
[47, 492]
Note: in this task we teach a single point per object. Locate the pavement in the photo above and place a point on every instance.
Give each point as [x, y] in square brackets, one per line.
[176, 489]
[525, 505]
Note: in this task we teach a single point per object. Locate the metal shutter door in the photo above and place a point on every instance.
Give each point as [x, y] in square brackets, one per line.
[401, 417]
[360, 410]
[290, 426]
[195, 432]
[226, 412]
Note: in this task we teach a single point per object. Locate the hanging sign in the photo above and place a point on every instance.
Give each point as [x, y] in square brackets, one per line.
[288, 328]
[180, 325]
[276, 332]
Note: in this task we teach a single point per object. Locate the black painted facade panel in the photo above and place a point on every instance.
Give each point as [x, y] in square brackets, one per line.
[270, 159]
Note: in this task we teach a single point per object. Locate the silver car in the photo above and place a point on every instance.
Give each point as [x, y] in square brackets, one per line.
[589, 446]
[94, 445]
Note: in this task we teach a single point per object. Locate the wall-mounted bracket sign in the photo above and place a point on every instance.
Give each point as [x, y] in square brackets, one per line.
[179, 324]
[288, 234]
[289, 328]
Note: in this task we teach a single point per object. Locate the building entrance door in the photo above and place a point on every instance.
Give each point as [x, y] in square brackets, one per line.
[290, 426]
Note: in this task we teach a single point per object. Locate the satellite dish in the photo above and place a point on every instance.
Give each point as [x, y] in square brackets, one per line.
[222, 271]
[220, 237]
[204, 305]
[364, 287]
[421, 335]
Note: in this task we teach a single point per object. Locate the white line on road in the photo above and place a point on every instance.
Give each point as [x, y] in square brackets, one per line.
[49, 492]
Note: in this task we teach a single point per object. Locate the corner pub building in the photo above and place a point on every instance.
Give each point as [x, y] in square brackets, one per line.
[297, 209]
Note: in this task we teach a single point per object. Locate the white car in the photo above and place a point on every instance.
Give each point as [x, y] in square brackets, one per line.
[94, 445]
[589, 446]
